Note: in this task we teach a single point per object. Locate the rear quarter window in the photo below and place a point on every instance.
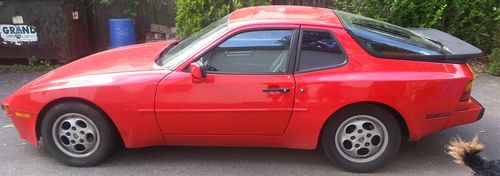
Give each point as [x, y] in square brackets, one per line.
[319, 50]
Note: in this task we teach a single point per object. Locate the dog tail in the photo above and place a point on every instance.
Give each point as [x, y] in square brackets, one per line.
[464, 152]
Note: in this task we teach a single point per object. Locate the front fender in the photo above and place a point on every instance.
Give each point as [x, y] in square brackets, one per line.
[127, 98]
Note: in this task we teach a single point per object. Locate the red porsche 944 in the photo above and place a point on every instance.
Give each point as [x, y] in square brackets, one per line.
[268, 76]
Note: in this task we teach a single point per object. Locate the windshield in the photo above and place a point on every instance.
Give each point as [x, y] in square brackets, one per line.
[387, 39]
[191, 45]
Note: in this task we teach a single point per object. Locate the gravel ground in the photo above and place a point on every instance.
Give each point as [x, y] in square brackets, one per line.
[425, 157]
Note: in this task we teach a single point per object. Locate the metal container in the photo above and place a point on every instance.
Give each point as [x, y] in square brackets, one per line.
[47, 29]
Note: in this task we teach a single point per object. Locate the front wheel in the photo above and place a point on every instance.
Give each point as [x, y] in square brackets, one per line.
[361, 138]
[77, 134]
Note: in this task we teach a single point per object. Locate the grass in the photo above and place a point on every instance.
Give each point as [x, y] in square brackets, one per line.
[494, 68]
[479, 65]
[33, 64]
[26, 68]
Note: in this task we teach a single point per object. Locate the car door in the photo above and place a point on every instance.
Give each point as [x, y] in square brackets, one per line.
[248, 90]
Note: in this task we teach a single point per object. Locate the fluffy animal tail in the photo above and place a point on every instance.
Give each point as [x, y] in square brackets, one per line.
[464, 152]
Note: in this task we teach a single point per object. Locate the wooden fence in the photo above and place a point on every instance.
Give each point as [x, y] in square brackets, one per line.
[159, 12]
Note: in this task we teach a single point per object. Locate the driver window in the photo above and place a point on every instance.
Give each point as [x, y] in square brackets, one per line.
[254, 52]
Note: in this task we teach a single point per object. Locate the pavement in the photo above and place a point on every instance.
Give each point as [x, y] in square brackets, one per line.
[424, 157]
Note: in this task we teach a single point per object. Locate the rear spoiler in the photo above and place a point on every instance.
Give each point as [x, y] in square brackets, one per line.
[461, 51]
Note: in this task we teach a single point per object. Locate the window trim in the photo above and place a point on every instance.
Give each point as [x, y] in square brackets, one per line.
[290, 60]
[299, 51]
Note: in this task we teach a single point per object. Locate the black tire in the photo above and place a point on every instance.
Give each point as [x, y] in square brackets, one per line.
[346, 160]
[106, 134]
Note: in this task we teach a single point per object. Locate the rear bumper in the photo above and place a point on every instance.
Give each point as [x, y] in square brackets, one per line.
[470, 115]
[482, 111]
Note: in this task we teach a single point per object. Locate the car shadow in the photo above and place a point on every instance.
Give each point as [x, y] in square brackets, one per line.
[413, 157]
[424, 157]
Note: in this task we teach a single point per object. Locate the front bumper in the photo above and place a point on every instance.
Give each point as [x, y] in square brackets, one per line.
[26, 126]
[470, 115]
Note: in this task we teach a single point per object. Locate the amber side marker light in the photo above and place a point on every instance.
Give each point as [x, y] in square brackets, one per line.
[22, 115]
[468, 89]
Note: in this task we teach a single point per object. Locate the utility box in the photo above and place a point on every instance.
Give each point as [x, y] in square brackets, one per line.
[47, 29]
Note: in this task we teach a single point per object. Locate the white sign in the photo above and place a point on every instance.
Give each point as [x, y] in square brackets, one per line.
[17, 20]
[17, 34]
[75, 15]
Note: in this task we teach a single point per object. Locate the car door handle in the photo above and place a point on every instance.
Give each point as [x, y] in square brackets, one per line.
[282, 90]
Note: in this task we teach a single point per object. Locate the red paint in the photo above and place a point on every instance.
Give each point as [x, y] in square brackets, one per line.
[195, 70]
[154, 106]
[287, 14]
[224, 104]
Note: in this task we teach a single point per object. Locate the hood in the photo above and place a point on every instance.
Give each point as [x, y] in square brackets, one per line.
[98, 68]
[132, 58]
[124, 59]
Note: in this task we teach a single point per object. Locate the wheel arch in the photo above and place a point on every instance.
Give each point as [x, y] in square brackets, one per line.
[399, 118]
[71, 99]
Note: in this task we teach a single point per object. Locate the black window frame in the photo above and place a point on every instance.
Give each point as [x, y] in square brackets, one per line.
[299, 50]
[290, 60]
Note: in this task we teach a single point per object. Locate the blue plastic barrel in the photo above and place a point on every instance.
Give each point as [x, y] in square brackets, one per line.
[121, 32]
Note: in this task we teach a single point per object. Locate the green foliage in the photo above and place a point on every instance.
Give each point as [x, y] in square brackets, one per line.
[133, 6]
[32, 60]
[475, 70]
[377, 9]
[424, 13]
[476, 22]
[32, 68]
[193, 15]
[495, 62]
[34, 64]
[106, 2]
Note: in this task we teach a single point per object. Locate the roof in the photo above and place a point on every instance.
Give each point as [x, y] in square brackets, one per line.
[289, 14]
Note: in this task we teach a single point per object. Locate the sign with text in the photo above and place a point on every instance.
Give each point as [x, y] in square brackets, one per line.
[18, 34]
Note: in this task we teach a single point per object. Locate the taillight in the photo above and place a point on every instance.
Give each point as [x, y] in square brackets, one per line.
[466, 95]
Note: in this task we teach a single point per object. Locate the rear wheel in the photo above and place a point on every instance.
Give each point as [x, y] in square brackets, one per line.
[77, 134]
[361, 138]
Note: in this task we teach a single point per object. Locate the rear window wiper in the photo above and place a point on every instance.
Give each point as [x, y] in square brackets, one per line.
[436, 42]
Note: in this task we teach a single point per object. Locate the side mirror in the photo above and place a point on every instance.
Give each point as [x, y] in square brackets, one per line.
[198, 70]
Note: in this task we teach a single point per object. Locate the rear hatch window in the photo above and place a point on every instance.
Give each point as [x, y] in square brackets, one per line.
[386, 40]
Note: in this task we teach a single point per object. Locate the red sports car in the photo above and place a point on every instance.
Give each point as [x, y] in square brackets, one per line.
[268, 76]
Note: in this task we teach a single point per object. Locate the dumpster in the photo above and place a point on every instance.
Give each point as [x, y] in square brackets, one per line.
[48, 29]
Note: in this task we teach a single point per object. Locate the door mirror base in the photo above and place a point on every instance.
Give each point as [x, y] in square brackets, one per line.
[198, 70]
